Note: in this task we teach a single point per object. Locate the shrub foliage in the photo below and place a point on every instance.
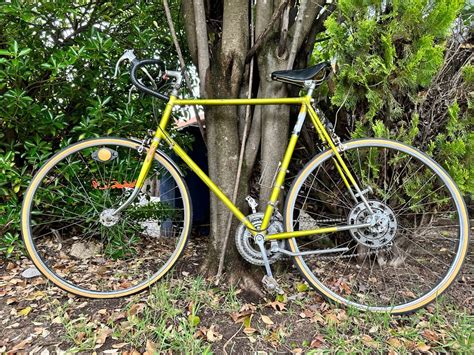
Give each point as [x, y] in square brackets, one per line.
[56, 65]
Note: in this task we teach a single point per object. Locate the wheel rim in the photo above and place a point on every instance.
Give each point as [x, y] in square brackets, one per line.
[333, 281]
[68, 203]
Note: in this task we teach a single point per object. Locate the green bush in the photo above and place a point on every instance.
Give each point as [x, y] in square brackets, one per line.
[388, 53]
[56, 65]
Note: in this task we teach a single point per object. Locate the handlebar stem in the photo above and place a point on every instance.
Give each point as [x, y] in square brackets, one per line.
[179, 78]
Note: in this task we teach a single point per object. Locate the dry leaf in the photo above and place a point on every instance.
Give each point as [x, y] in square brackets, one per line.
[119, 345]
[394, 342]
[317, 342]
[10, 266]
[266, 320]
[79, 337]
[423, 347]
[331, 318]
[249, 330]
[238, 317]
[369, 341]
[277, 306]
[297, 351]
[136, 309]
[430, 335]
[150, 347]
[21, 345]
[102, 335]
[212, 335]
[25, 311]
[118, 315]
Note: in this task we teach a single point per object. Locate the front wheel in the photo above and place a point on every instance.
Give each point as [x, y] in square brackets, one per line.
[74, 238]
[413, 252]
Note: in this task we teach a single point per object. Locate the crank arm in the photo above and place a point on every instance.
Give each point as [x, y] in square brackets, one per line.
[309, 252]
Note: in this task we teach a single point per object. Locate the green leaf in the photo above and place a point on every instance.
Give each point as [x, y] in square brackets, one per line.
[194, 320]
[302, 287]
[24, 52]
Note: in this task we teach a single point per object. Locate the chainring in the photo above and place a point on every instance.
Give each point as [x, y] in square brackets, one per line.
[244, 240]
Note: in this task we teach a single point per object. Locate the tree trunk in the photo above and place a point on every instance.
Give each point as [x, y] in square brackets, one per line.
[226, 31]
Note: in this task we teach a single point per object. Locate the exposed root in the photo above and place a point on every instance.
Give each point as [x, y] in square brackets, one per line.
[251, 287]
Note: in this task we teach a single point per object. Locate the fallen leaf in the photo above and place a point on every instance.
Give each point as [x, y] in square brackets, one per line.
[423, 347]
[307, 313]
[102, 335]
[297, 351]
[194, 320]
[277, 306]
[248, 321]
[25, 311]
[266, 320]
[430, 335]
[79, 337]
[249, 330]
[212, 335]
[317, 342]
[302, 287]
[10, 266]
[369, 341]
[21, 345]
[331, 318]
[118, 315]
[374, 329]
[394, 342]
[136, 309]
[239, 317]
[200, 333]
[281, 298]
[150, 347]
[119, 345]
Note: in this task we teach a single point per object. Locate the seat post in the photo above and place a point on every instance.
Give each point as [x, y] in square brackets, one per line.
[310, 85]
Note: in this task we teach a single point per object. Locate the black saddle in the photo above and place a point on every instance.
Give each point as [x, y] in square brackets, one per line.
[299, 76]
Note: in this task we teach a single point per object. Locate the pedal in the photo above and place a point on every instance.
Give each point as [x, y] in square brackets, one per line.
[271, 285]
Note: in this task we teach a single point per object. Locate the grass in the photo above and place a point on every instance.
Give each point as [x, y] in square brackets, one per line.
[189, 314]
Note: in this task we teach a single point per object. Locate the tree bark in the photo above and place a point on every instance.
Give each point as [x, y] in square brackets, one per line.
[229, 52]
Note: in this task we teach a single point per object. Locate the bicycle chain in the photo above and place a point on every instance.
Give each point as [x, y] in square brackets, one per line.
[355, 255]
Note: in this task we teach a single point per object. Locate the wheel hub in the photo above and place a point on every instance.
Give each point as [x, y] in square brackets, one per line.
[383, 226]
[246, 245]
[107, 217]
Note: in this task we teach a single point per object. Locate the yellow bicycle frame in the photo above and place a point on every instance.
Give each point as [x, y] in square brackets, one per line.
[306, 107]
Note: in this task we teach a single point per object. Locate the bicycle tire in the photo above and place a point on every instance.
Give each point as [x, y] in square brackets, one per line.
[47, 174]
[326, 284]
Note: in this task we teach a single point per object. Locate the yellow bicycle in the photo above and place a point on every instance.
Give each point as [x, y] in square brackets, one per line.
[370, 223]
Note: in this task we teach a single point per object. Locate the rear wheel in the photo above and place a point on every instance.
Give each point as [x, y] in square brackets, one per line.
[74, 238]
[412, 252]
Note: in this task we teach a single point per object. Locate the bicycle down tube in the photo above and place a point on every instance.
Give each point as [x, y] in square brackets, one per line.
[306, 108]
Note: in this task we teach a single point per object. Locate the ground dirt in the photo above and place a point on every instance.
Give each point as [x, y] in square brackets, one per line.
[33, 313]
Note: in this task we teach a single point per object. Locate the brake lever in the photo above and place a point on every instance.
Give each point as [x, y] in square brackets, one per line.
[127, 55]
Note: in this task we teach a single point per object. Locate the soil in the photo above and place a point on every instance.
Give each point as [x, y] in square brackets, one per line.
[27, 309]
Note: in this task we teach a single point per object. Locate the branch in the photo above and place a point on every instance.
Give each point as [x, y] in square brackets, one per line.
[182, 64]
[202, 43]
[264, 35]
[297, 34]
